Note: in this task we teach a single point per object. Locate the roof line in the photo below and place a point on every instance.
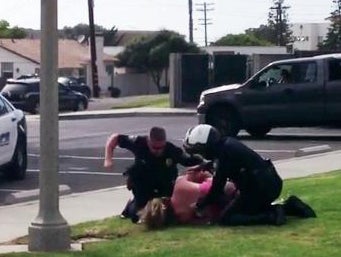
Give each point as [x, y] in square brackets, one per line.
[21, 55]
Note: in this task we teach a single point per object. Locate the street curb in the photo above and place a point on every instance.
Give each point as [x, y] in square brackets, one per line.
[81, 116]
[30, 195]
[119, 114]
[24, 248]
[313, 150]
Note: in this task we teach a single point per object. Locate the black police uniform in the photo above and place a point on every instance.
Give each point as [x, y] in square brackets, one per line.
[255, 178]
[153, 176]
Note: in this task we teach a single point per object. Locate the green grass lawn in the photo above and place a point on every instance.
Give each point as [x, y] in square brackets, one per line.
[158, 101]
[299, 237]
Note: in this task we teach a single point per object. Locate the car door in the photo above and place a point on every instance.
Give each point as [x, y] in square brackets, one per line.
[66, 98]
[333, 90]
[8, 133]
[296, 100]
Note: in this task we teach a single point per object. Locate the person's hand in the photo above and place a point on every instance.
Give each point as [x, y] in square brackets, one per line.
[108, 165]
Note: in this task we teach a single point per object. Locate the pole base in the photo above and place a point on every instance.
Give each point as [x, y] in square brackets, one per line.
[48, 238]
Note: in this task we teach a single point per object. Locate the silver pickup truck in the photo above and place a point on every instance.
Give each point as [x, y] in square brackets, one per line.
[288, 93]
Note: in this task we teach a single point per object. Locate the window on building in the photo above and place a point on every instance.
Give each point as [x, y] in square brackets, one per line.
[320, 39]
[7, 70]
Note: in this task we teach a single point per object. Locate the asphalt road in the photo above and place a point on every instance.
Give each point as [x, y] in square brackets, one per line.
[82, 149]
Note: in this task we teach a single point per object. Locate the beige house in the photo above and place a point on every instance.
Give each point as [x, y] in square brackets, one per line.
[22, 56]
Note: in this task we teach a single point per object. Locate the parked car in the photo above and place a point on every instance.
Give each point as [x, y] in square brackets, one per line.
[13, 141]
[24, 95]
[287, 93]
[76, 85]
[28, 76]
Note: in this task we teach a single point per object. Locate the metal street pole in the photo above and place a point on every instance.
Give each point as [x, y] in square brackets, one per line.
[49, 231]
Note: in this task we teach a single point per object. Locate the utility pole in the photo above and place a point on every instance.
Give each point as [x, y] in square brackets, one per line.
[190, 10]
[205, 19]
[94, 72]
[280, 11]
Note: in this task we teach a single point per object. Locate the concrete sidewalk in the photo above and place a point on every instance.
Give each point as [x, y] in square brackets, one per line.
[76, 208]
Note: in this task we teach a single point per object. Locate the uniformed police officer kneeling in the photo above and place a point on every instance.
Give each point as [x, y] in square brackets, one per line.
[155, 168]
[256, 179]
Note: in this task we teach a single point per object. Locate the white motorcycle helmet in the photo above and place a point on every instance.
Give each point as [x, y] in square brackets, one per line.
[201, 139]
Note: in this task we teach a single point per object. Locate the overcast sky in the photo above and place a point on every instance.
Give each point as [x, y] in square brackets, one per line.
[227, 16]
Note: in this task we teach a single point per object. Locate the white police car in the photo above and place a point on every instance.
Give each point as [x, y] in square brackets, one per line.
[13, 141]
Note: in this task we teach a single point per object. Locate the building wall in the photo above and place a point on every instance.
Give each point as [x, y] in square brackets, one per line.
[134, 84]
[104, 77]
[307, 36]
[113, 50]
[20, 65]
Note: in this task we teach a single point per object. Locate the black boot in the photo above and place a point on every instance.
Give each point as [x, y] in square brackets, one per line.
[126, 211]
[277, 215]
[296, 207]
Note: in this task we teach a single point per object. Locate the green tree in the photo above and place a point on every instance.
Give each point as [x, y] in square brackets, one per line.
[7, 32]
[151, 54]
[277, 31]
[264, 32]
[333, 38]
[241, 40]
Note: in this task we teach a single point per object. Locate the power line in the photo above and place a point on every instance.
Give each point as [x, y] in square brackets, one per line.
[205, 19]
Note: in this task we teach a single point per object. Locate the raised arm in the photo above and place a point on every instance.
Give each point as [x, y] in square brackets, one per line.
[110, 145]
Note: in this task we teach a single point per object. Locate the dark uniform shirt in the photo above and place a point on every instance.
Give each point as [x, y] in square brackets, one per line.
[242, 165]
[160, 171]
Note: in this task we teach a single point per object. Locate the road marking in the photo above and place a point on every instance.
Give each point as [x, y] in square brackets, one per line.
[275, 151]
[86, 157]
[82, 172]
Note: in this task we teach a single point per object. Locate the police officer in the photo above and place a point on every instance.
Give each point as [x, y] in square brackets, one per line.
[155, 168]
[255, 178]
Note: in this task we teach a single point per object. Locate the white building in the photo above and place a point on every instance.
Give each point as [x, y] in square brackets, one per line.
[307, 36]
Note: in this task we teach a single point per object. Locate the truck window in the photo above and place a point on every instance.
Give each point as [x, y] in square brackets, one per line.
[288, 73]
[304, 72]
[311, 72]
[334, 69]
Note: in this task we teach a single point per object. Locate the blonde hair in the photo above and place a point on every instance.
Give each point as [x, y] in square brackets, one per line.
[154, 214]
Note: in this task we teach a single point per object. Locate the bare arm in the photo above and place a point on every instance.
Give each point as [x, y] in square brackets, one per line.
[110, 145]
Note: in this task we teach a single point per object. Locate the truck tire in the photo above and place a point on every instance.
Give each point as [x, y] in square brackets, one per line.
[224, 119]
[258, 131]
[34, 107]
[87, 92]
